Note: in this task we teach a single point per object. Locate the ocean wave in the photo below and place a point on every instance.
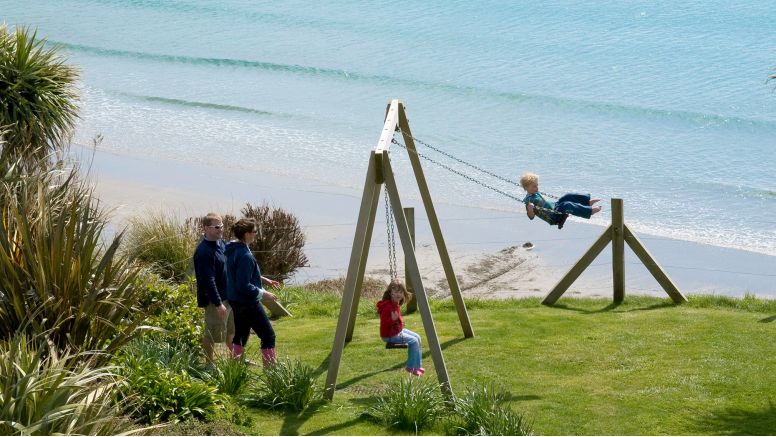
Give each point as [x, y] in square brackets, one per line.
[696, 118]
[206, 105]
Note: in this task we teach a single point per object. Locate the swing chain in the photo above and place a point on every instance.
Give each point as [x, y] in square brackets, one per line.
[480, 169]
[391, 237]
[459, 173]
[464, 175]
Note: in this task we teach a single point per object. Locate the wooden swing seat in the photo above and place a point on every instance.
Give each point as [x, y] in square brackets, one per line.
[389, 345]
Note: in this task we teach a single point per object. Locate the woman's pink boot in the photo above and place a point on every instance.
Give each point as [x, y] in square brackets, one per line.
[237, 351]
[269, 357]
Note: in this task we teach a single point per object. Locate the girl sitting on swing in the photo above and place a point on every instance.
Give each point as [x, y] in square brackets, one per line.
[580, 205]
[392, 325]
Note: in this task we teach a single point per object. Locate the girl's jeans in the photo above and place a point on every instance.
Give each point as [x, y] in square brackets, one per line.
[575, 204]
[414, 348]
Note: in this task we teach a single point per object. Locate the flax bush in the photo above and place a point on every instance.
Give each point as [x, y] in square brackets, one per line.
[43, 393]
[289, 385]
[229, 375]
[413, 404]
[482, 411]
[56, 271]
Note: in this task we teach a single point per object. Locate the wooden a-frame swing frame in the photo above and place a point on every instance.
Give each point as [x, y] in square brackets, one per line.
[379, 173]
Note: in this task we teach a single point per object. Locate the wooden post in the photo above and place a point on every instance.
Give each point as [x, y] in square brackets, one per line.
[618, 251]
[425, 194]
[412, 305]
[362, 265]
[358, 255]
[414, 274]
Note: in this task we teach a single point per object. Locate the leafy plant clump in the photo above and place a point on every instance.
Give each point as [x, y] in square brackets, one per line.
[173, 308]
[161, 382]
[289, 385]
[411, 405]
[482, 411]
[229, 375]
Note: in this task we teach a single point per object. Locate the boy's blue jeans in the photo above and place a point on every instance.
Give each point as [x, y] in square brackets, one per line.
[575, 204]
[414, 348]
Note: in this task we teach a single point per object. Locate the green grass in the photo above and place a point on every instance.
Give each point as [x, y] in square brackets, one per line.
[583, 366]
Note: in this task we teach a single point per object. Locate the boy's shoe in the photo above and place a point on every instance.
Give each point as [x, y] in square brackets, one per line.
[562, 220]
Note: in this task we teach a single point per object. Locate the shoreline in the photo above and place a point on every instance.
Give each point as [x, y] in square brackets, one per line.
[485, 245]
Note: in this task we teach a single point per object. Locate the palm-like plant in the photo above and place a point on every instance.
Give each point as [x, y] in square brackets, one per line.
[37, 95]
[56, 273]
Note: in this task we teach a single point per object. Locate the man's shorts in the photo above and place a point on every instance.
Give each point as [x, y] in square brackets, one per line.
[217, 330]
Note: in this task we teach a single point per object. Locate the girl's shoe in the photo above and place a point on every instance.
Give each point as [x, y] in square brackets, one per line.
[414, 371]
[421, 370]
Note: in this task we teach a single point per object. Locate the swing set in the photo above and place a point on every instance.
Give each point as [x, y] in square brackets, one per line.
[379, 173]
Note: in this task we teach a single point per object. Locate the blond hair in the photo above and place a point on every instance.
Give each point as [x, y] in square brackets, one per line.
[210, 218]
[529, 178]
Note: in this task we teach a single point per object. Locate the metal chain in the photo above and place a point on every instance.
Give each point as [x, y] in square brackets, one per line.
[480, 169]
[464, 175]
[391, 237]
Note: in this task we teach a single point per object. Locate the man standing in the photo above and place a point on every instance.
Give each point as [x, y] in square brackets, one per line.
[210, 270]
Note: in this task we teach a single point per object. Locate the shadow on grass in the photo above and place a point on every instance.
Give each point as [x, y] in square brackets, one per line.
[605, 309]
[613, 306]
[334, 428]
[292, 421]
[352, 381]
[767, 319]
[736, 421]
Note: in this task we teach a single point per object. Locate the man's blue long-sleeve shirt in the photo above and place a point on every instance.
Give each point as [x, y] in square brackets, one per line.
[210, 270]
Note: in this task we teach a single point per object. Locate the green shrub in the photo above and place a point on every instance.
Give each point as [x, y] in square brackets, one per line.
[43, 393]
[173, 308]
[175, 356]
[159, 394]
[159, 241]
[199, 427]
[56, 271]
[481, 411]
[411, 405]
[289, 385]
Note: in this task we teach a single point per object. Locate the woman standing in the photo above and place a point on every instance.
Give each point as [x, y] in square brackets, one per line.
[245, 292]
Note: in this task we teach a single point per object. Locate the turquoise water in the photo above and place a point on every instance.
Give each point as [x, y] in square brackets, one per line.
[665, 105]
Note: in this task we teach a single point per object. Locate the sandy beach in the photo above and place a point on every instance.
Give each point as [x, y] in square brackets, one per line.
[486, 246]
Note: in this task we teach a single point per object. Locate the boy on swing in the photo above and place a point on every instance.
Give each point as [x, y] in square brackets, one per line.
[555, 213]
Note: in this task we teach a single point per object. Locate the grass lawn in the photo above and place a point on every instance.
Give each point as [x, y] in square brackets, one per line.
[583, 366]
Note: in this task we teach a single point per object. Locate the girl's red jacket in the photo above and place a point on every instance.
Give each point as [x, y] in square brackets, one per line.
[388, 326]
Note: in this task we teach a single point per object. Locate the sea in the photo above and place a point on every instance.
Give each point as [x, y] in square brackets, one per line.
[667, 105]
